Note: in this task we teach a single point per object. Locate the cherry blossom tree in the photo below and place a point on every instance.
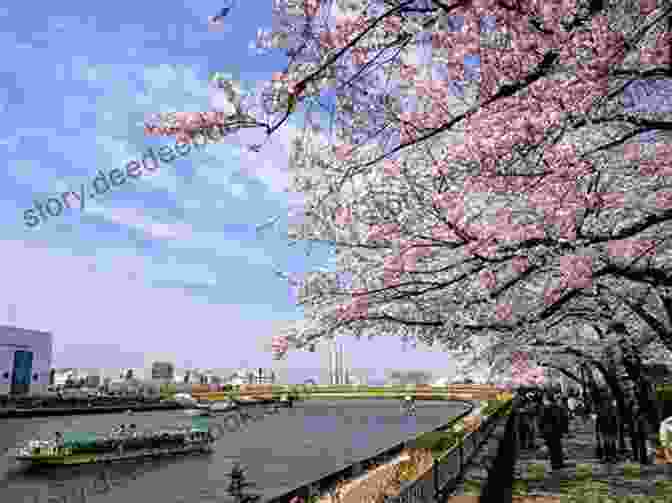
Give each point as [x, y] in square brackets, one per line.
[458, 202]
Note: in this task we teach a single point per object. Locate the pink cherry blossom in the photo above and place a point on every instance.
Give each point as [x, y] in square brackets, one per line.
[646, 7]
[664, 200]
[311, 7]
[504, 312]
[440, 168]
[577, 271]
[631, 152]
[552, 295]
[631, 248]
[391, 168]
[357, 308]
[383, 231]
[659, 54]
[609, 200]
[520, 264]
[343, 216]
[392, 24]
[444, 232]
[408, 72]
[343, 152]
[488, 280]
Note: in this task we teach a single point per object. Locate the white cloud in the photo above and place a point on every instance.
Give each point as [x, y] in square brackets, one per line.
[131, 217]
[89, 310]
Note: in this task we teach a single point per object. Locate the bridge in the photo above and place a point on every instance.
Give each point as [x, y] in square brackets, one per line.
[330, 392]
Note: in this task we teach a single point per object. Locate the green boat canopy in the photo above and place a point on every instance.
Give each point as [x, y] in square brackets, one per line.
[200, 425]
[79, 438]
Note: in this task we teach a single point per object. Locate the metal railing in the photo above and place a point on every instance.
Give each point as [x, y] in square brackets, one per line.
[499, 484]
[446, 470]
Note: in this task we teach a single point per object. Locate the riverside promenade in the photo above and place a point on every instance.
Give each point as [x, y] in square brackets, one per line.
[583, 473]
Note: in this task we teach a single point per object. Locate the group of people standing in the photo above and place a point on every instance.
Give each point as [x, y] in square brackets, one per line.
[547, 414]
[542, 414]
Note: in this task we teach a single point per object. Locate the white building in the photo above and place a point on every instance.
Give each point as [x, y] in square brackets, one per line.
[25, 360]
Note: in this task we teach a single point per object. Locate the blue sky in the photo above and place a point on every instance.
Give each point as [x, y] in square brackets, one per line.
[166, 265]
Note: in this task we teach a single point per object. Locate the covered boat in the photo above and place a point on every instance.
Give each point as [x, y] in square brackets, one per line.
[124, 442]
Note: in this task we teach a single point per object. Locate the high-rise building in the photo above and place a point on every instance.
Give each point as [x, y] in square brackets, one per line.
[337, 372]
[25, 360]
[263, 376]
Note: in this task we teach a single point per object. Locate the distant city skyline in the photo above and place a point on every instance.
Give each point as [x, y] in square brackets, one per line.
[299, 365]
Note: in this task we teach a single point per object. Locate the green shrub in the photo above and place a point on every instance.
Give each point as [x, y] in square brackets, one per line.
[520, 487]
[472, 487]
[536, 471]
[631, 470]
[584, 471]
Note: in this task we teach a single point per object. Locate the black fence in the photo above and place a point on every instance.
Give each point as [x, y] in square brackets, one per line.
[498, 487]
[447, 470]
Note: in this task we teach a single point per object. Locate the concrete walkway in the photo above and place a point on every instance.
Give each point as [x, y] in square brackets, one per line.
[579, 447]
[534, 485]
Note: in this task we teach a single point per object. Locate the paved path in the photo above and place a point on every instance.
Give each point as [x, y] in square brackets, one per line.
[579, 447]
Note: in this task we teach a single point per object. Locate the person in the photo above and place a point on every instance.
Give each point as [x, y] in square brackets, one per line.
[551, 424]
[608, 426]
[409, 404]
[640, 435]
[665, 438]
[528, 413]
[571, 405]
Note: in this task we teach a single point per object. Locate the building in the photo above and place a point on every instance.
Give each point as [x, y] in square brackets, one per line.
[337, 371]
[25, 360]
[163, 370]
[263, 376]
[237, 378]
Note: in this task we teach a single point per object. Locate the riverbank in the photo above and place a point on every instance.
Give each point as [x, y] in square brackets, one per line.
[108, 409]
[93, 409]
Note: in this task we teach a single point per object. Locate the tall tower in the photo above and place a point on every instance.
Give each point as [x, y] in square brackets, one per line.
[336, 363]
[339, 368]
[332, 365]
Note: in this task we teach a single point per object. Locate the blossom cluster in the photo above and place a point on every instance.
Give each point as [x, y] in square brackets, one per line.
[550, 80]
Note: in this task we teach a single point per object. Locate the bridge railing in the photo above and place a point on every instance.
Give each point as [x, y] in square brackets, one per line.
[446, 470]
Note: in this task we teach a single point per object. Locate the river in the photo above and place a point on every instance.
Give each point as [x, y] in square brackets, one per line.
[281, 452]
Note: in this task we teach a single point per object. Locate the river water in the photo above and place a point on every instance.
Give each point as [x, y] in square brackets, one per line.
[282, 451]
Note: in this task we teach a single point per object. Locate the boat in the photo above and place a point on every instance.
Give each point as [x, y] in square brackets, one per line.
[185, 400]
[223, 406]
[209, 408]
[198, 412]
[123, 443]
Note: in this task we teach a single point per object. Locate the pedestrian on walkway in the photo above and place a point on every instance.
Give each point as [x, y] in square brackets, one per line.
[608, 426]
[526, 425]
[551, 424]
[640, 435]
[572, 404]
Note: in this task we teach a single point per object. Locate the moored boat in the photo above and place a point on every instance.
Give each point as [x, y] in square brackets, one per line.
[121, 444]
